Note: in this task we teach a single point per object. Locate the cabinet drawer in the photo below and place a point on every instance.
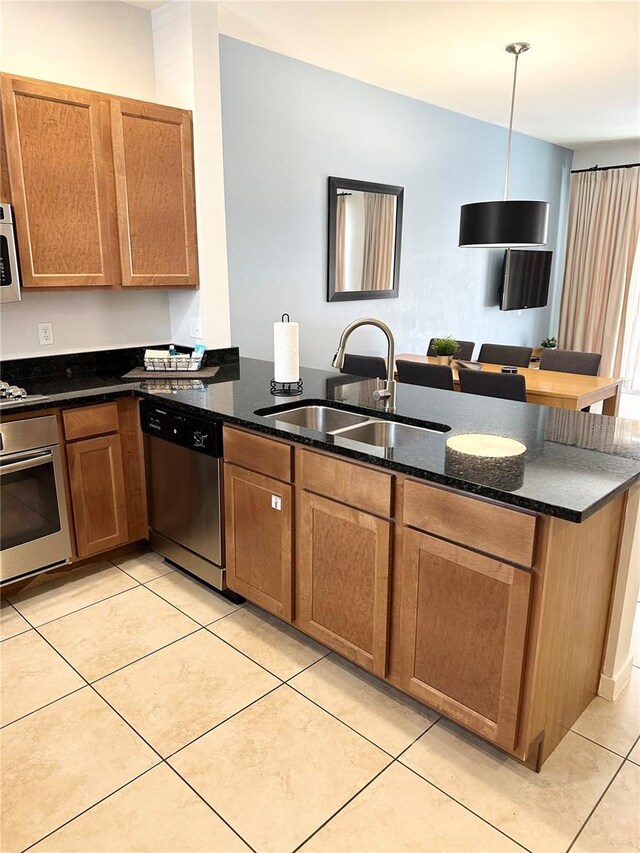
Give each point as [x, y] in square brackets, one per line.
[478, 524]
[90, 420]
[346, 482]
[264, 455]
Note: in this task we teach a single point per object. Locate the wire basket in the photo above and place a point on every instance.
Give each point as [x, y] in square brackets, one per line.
[174, 363]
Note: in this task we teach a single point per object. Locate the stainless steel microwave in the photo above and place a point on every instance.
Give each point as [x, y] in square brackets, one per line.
[9, 272]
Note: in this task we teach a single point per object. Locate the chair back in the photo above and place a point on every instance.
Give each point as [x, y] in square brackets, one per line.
[427, 375]
[501, 354]
[464, 351]
[372, 366]
[508, 386]
[571, 361]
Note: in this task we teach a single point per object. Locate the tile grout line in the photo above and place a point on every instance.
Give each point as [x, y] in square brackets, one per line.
[598, 801]
[19, 634]
[198, 794]
[88, 684]
[244, 654]
[184, 612]
[343, 806]
[333, 716]
[601, 745]
[136, 732]
[465, 807]
[222, 722]
[282, 683]
[146, 655]
[305, 668]
[79, 609]
[88, 809]
[42, 707]
[446, 793]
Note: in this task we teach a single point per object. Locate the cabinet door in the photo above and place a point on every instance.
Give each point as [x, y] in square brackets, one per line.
[258, 527]
[463, 630]
[153, 157]
[61, 175]
[97, 488]
[343, 579]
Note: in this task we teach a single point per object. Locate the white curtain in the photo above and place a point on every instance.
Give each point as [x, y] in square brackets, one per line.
[604, 220]
[631, 351]
[379, 237]
[341, 213]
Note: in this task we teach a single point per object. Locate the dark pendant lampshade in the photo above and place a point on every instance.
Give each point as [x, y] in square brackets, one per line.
[504, 223]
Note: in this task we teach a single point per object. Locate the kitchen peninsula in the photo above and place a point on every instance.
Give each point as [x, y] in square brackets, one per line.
[486, 598]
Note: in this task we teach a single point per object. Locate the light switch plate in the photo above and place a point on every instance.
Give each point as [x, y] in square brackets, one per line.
[276, 502]
[195, 327]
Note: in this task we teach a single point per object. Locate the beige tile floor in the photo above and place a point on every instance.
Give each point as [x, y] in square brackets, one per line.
[142, 712]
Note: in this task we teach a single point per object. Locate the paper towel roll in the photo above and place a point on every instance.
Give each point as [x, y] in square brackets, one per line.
[286, 352]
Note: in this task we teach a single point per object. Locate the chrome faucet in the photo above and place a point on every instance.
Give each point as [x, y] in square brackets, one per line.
[388, 393]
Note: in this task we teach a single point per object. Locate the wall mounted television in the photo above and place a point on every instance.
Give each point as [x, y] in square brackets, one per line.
[525, 279]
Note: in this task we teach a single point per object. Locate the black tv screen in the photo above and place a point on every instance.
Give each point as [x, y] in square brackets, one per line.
[525, 279]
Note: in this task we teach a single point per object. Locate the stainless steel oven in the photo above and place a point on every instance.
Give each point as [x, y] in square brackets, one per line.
[9, 272]
[34, 527]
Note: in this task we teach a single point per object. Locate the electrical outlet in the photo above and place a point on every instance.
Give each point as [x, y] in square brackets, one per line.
[45, 334]
[195, 327]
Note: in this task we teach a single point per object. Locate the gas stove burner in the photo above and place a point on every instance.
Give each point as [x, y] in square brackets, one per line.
[10, 395]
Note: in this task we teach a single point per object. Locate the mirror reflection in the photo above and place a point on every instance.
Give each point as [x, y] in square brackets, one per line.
[365, 221]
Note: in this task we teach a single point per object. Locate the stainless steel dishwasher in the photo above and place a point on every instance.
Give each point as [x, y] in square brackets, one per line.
[184, 491]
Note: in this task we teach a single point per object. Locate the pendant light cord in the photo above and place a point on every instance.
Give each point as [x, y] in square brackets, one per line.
[513, 102]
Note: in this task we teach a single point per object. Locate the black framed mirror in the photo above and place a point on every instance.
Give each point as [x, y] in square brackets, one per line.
[365, 231]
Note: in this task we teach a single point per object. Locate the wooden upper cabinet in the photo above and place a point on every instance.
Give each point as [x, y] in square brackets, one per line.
[58, 152]
[463, 631]
[153, 158]
[102, 187]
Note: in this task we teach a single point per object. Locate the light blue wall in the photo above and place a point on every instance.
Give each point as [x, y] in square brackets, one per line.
[287, 126]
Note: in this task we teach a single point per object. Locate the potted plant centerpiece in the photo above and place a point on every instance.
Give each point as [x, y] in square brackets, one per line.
[445, 348]
[550, 343]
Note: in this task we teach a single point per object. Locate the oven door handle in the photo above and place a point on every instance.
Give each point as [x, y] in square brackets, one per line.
[31, 462]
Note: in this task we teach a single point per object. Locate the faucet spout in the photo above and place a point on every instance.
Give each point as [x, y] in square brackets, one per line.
[388, 393]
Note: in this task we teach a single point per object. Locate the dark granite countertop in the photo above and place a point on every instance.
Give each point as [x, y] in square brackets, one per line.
[574, 462]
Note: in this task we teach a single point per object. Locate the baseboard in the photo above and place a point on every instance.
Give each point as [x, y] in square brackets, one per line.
[611, 687]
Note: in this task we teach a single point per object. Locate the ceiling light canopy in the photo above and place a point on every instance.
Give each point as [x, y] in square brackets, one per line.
[500, 224]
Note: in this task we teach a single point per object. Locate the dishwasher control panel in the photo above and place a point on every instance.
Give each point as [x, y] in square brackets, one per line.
[186, 430]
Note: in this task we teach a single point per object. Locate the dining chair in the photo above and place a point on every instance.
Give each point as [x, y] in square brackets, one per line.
[465, 350]
[508, 386]
[501, 354]
[571, 361]
[428, 375]
[372, 366]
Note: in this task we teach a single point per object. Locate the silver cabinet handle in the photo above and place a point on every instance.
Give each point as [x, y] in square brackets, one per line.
[32, 462]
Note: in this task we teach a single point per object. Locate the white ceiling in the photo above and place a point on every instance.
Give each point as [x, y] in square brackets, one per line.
[578, 85]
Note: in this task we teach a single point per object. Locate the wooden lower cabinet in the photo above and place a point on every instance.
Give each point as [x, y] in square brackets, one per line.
[343, 564]
[98, 496]
[259, 539]
[463, 631]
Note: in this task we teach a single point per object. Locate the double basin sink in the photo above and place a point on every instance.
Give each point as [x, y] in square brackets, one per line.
[353, 426]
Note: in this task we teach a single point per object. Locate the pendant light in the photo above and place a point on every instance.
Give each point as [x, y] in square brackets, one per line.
[505, 223]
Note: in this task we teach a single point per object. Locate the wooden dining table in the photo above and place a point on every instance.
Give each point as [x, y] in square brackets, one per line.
[550, 387]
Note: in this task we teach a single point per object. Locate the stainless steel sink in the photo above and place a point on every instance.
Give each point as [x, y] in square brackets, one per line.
[386, 433]
[351, 426]
[320, 418]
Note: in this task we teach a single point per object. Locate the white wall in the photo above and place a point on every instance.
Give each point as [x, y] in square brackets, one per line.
[607, 154]
[106, 46]
[187, 72]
